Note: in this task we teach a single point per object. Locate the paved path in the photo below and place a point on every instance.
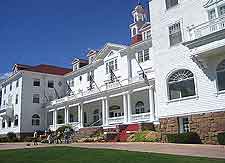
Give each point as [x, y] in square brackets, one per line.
[211, 151]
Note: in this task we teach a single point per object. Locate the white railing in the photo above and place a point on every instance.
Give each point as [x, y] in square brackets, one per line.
[207, 28]
[136, 79]
[141, 117]
[116, 120]
[112, 85]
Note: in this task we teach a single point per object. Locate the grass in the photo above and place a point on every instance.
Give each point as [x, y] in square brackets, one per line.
[79, 155]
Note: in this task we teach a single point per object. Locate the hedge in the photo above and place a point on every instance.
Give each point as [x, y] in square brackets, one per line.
[184, 138]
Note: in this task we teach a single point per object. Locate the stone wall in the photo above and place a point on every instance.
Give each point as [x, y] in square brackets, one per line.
[207, 126]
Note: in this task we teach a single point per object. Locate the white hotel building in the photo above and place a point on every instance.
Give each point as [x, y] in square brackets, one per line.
[172, 75]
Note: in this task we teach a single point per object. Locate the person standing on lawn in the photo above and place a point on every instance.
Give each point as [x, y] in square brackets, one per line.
[58, 137]
[35, 138]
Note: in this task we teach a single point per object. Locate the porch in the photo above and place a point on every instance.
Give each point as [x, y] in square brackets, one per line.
[137, 105]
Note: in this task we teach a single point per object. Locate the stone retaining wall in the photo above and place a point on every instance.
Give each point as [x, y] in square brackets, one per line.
[207, 126]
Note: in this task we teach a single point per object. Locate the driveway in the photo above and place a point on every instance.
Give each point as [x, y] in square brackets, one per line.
[210, 151]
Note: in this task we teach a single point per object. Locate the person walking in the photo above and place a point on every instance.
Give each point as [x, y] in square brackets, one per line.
[35, 137]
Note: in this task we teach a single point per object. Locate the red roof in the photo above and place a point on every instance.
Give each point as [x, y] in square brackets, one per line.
[47, 69]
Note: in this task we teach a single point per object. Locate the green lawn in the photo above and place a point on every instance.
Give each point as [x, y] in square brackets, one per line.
[78, 155]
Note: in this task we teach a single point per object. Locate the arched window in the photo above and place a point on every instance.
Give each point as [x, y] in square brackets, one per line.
[35, 120]
[134, 31]
[181, 84]
[16, 120]
[3, 123]
[220, 71]
[139, 107]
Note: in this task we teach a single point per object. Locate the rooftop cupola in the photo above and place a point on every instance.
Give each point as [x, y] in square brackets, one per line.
[139, 19]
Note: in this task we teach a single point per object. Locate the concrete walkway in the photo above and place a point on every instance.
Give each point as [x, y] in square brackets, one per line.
[210, 151]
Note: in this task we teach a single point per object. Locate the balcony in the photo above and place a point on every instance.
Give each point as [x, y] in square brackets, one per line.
[207, 28]
[207, 39]
[207, 36]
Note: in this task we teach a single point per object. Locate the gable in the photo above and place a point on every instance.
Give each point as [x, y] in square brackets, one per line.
[109, 50]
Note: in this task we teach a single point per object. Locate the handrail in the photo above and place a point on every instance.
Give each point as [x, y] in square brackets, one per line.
[95, 123]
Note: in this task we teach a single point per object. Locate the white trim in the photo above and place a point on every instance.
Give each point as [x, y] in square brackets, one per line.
[193, 113]
[60, 108]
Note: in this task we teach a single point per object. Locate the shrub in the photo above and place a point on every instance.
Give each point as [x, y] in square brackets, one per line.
[63, 128]
[221, 138]
[184, 138]
[11, 136]
[145, 136]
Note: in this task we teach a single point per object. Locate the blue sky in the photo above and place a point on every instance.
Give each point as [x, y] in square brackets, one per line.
[56, 31]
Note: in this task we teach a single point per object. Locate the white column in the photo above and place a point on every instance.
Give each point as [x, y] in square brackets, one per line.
[129, 67]
[81, 115]
[107, 111]
[129, 107]
[125, 107]
[103, 112]
[66, 115]
[152, 103]
[55, 118]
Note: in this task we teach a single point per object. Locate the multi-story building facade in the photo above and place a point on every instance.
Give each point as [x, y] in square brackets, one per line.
[188, 53]
[172, 75]
[25, 94]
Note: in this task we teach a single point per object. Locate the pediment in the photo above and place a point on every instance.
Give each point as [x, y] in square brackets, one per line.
[109, 49]
[211, 2]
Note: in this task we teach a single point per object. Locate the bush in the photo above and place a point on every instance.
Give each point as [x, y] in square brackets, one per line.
[3, 140]
[221, 138]
[11, 136]
[63, 128]
[184, 138]
[145, 136]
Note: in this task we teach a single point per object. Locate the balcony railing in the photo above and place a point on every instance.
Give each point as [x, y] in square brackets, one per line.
[207, 28]
[141, 117]
[116, 120]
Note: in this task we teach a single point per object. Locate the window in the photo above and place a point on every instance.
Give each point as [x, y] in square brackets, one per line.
[90, 75]
[143, 55]
[171, 3]
[221, 76]
[212, 14]
[96, 115]
[184, 125]
[10, 87]
[181, 84]
[85, 117]
[16, 120]
[111, 65]
[140, 57]
[222, 10]
[146, 54]
[4, 102]
[17, 98]
[5, 90]
[36, 99]
[35, 120]
[36, 83]
[9, 123]
[17, 83]
[134, 31]
[51, 84]
[175, 34]
[139, 107]
[3, 123]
